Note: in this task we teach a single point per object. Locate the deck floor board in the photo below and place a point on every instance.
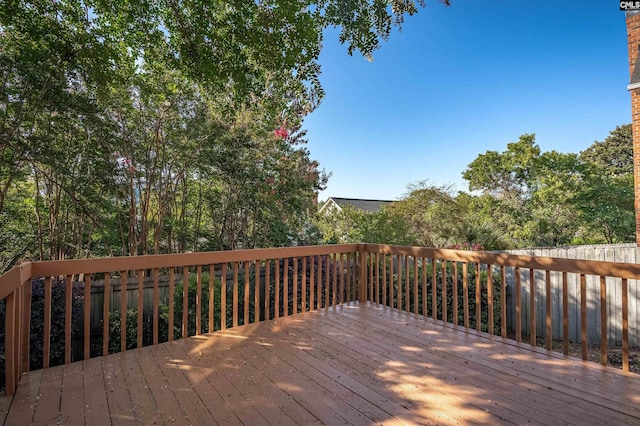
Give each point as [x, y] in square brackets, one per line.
[352, 364]
[585, 381]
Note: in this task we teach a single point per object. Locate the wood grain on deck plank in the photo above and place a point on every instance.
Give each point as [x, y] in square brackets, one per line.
[351, 364]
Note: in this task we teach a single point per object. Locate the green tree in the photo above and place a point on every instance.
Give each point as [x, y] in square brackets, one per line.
[614, 155]
[529, 193]
[605, 201]
[146, 127]
[350, 225]
[483, 222]
[428, 210]
[551, 198]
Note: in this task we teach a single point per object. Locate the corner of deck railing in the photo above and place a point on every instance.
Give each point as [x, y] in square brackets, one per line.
[25, 272]
[14, 278]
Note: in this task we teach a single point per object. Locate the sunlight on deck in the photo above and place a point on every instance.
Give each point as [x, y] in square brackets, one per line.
[343, 365]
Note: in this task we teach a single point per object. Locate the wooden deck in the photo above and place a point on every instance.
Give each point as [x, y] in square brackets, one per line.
[348, 365]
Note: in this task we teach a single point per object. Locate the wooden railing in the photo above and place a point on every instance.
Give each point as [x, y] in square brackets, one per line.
[473, 285]
[241, 286]
[228, 289]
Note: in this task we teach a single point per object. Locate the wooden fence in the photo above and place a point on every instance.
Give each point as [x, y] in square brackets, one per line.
[624, 253]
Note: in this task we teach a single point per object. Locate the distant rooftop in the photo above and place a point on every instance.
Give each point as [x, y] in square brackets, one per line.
[369, 206]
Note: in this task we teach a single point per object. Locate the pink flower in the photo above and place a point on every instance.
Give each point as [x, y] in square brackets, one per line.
[281, 133]
[270, 181]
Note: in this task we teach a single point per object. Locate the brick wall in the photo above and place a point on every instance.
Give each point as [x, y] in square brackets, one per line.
[633, 43]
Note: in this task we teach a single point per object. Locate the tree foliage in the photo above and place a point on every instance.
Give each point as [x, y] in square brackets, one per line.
[613, 155]
[521, 197]
[350, 225]
[144, 126]
[551, 198]
[427, 210]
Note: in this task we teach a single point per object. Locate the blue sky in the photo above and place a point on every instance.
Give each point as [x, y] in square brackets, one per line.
[458, 81]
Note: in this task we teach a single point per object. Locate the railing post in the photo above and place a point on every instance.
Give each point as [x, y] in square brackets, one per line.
[9, 343]
[362, 274]
[26, 322]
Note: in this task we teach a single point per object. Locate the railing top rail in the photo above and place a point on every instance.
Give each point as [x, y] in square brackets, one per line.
[88, 266]
[12, 279]
[587, 267]
[19, 274]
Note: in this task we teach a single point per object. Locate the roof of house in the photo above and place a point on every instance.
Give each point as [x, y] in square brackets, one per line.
[369, 206]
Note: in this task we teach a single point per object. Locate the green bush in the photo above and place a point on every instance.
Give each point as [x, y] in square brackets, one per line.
[471, 286]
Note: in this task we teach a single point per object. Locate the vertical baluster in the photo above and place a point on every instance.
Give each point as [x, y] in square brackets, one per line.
[465, 291]
[185, 301]
[391, 282]
[348, 278]
[295, 285]
[212, 297]
[199, 300]
[532, 306]
[19, 329]
[156, 304]
[247, 267]
[334, 297]
[235, 314]
[276, 303]
[304, 284]
[223, 297]
[377, 290]
[455, 293]
[312, 281]
[68, 300]
[434, 289]
[26, 324]
[503, 302]
[371, 298]
[604, 343]
[123, 310]
[354, 276]
[415, 286]
[583, 315]
[327, 281]
[565, 314]
[267, 289]
[46, 352]
[407, 282]
[319, 283]
[256, 291]
[285, 287]
[625, 326]
[399, 282]
[443, 265]
[478, 299]
[247, 288]
[171, 303]
[518, 306]
[424, 287]
[140, 307]
[490, 297]
[384, 280]
[548, 317]
[87, 316]
[11, 377]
